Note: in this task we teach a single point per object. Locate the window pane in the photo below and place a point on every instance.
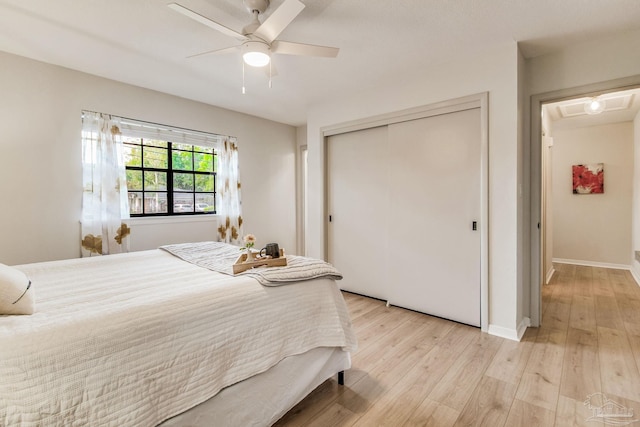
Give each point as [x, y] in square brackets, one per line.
[182, 160]
[135, 202]
[155, 202]
[182, 202]
[204, 183]
[155, 180]
[156, 143]
[203, 149]
[134, 180]
[155, 158]
[203, 162]
[182, 146]
[132, 155]
[183, 182]
[205, 203]
[131, 140]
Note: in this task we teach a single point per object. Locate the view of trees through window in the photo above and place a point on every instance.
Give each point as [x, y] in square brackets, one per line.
[165, 178]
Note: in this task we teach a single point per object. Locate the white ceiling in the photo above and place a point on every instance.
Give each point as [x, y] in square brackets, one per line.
[619, 106]
[144, 43]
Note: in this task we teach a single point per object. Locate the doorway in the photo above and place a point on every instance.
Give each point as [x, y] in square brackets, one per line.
[303, 206]
[563, 111]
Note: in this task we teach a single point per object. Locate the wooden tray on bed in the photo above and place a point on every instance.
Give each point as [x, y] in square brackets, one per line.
[241, 266]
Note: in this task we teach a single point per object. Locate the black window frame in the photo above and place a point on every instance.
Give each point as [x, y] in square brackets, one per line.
[170, 177]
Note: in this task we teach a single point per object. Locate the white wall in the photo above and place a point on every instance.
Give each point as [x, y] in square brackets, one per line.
[40, 157]
[301, 143]
[547, 203]
[593, 228]
[151, 233]
[574, 66]
[523, 209]
[495, 72]
[547, 159]
[635, 265]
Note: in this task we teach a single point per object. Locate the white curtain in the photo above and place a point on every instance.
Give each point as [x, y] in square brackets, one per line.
[105, 207]
[228, 201]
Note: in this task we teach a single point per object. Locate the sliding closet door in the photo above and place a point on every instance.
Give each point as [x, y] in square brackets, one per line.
[434, 257]
[358, 200]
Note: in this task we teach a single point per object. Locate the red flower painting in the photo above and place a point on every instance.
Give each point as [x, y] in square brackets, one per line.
[588, 179]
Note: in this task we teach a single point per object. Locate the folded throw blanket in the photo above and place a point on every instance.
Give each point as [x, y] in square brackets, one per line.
[220, 257]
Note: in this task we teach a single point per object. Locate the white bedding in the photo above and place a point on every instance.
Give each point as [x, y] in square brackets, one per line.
[133, 339]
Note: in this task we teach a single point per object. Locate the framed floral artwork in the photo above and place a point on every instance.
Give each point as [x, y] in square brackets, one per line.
[588, 179]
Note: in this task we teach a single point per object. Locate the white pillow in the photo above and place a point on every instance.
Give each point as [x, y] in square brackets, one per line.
[16, 294]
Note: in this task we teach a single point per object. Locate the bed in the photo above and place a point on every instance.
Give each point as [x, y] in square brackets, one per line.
[160, 337]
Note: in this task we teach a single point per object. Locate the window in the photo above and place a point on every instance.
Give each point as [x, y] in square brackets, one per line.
[168, 170]
[167, 178]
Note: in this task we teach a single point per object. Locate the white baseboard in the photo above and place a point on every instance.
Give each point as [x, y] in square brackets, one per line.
[592, 263]
[550, 275]
[635, 276]
[522, 327]
[508, 333]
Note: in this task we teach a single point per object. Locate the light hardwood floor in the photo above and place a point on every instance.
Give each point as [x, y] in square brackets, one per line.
[415, 370]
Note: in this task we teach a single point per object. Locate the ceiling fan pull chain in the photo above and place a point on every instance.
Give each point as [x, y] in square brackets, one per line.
[243, 89]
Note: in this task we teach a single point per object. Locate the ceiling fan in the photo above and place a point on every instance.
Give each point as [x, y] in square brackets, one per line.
[258, 40]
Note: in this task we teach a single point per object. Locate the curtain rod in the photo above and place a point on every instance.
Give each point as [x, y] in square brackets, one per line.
[168, 127]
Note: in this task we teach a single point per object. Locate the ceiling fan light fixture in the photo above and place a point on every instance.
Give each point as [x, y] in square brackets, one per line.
[255, 54]
[594, 105]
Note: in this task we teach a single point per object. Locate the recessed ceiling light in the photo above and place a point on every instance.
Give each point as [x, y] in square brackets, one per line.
[594, 105]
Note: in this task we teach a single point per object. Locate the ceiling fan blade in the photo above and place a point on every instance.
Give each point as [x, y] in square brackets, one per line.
[278, 20]
[216, 52]
[290, 48]
[206, 21]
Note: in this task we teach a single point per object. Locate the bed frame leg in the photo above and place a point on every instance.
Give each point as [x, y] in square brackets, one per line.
[341, 377]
